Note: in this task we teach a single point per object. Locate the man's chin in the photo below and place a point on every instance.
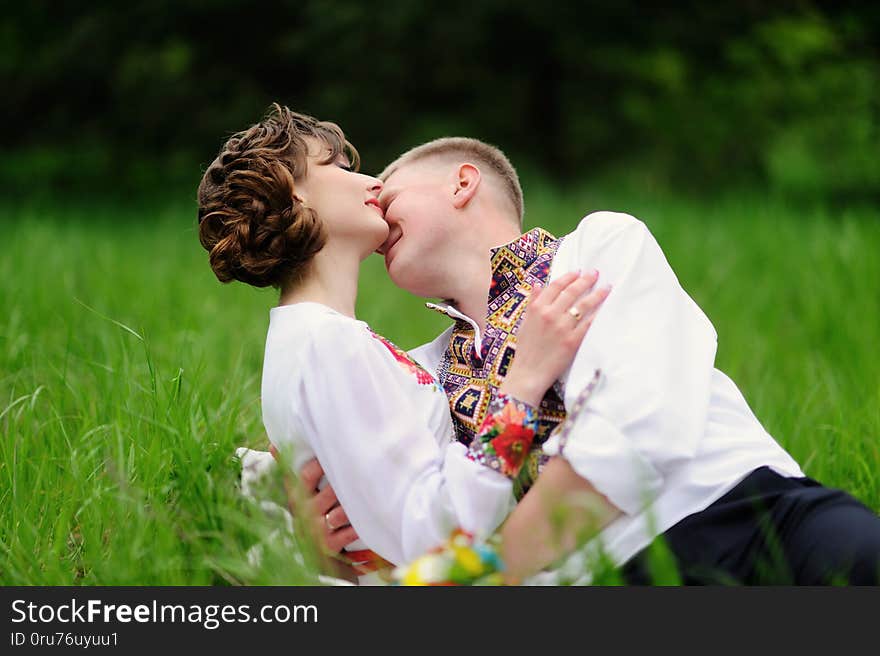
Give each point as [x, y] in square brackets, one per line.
[411, 284]
[389, 267]
[400, 275]
[393, 272]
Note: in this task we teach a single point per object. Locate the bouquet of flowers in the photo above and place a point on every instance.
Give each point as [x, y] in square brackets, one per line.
[461, 560]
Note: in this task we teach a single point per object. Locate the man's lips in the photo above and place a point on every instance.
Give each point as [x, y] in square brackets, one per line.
[387, 247]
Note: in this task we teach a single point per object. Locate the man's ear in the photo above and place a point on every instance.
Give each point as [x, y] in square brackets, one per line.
[467, 181]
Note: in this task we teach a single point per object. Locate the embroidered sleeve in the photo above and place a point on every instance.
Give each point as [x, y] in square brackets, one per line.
[405, 487]
[506, 435]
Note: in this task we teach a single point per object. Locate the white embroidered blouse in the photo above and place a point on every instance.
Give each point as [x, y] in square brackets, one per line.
[380, 427]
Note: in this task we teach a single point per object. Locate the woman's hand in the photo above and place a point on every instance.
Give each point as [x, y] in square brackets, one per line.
[555, 323]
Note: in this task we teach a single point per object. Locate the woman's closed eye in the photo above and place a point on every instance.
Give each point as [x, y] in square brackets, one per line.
[343, 162]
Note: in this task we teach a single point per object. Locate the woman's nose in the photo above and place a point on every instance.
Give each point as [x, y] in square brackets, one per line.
[376, 186]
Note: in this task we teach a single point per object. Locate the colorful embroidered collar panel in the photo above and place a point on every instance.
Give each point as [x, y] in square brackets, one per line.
[474, 366]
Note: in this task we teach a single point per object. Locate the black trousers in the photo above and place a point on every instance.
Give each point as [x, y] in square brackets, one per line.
[772, 530]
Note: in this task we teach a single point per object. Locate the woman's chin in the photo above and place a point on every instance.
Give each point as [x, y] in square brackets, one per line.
[379, 238]
[371, 248]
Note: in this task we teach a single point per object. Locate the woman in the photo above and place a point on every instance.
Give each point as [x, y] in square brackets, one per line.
[283, 205]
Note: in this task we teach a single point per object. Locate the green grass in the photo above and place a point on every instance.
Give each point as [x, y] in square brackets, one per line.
[128, 374]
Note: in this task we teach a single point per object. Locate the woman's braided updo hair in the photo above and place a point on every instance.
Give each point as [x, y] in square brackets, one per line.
[251, 221]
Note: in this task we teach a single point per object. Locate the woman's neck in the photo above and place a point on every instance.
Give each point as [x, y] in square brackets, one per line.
[331, 280]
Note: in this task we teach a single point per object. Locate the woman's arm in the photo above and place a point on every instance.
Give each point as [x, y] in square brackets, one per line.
[367, 420]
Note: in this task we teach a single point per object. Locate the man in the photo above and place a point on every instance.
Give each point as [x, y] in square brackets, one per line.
[666, 445]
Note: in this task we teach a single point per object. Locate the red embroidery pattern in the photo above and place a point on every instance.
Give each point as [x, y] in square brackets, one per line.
[505, 439]
[407, 362]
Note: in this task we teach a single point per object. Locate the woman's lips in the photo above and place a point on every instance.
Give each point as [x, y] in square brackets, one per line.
[375, 204]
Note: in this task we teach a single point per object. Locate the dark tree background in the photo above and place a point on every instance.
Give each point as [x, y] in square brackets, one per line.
[698, 94]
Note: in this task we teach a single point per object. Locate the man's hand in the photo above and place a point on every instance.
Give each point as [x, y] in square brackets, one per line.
[329, 522]
[328, 516]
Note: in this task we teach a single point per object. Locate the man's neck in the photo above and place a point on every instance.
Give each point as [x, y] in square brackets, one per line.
[474, 271]
[472, 298]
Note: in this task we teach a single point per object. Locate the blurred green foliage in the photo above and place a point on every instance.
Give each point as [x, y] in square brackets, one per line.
[699, 95]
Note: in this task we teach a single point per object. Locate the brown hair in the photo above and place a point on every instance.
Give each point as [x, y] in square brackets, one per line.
[491, 157]
[251, 221]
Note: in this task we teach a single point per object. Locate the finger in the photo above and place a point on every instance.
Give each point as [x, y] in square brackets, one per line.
[340, 539]
[339, 518]
[574, 291]
[537, 290]
[551, 291]
[335, 518]
[588, 307]
[324, 500]
[310, 474]
[590, 303]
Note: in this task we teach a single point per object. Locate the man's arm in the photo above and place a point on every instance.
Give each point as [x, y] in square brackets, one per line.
[322, 514]
[560, 512]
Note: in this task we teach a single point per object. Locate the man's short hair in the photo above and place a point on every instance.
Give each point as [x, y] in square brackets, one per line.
[491, 158]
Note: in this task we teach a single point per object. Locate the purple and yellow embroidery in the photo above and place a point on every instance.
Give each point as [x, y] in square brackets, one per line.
[470, 379]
